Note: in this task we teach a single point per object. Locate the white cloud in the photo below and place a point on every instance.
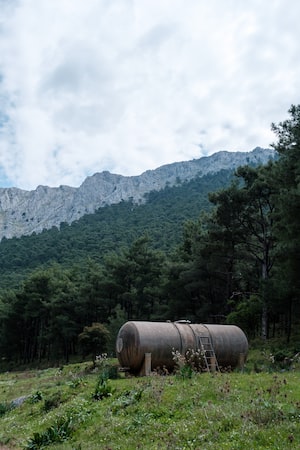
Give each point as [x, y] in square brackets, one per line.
[130, 85]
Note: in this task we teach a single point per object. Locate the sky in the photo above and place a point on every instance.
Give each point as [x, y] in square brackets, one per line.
[131, 85]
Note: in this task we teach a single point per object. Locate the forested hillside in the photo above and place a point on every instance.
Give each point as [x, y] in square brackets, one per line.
[236, 263]
[111, 228]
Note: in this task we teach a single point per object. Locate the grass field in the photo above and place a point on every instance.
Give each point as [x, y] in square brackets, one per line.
[75, 407]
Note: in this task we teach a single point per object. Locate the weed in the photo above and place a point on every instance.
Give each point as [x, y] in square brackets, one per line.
[190, 363]
[77, 382]
[127, 399]
[105, 368]
[52, 402]
[225, 389]
[185, 372]
[266, 407]
[139, 421]
[36, 397]
[60, 431]
[157, 390]
[103, 388]
[5, 407]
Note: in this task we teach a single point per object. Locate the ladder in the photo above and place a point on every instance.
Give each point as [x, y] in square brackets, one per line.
[208, 353]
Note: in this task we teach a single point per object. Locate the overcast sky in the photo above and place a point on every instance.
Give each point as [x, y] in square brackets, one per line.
[130, 85]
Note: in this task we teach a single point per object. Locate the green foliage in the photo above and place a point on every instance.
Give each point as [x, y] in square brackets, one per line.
[5, 407]
[128, 398]
[103, 388]
[287, 216]
[94, 339]
[106, 368]
[115, 321]
[76, 382]
[135, 275]
[52, 402]
[36, 397]
[246, 314]
[190, 363]
[60, 431]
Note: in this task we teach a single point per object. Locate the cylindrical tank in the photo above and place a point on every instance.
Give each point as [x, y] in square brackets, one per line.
[135, 338]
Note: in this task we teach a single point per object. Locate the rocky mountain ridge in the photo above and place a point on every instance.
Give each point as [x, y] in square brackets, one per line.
[25, 212]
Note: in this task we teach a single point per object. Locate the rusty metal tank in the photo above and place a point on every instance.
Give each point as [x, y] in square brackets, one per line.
[137, 338]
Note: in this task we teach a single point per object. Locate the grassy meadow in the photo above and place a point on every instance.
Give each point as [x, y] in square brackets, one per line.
[81, 407]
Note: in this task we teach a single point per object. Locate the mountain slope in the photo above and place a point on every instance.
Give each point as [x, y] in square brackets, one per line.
[112, 228]
[26, 212]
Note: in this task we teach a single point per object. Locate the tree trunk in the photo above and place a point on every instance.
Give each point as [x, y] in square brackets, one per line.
[264, 321]
[264, 315]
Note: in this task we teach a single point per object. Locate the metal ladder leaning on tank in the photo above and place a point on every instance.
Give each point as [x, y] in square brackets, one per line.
[209, 355]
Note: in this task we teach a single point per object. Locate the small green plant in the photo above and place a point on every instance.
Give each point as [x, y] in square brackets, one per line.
[186, 371]
[77, 382]
[126, 399]
[5, 407]
[266, 407]
[103, 388]
[188, 364]
[60, 431]
[225, 389]
[105, 367]
[36, 397]
[52, 402]
[181, 367]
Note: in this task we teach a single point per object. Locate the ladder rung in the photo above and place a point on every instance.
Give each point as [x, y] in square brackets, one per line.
[209, 353]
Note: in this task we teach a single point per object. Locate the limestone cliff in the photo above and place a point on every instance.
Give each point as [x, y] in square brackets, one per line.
[24, 212]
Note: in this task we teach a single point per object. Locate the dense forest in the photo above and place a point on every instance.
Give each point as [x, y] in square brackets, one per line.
[112, 227]
[222, 250]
